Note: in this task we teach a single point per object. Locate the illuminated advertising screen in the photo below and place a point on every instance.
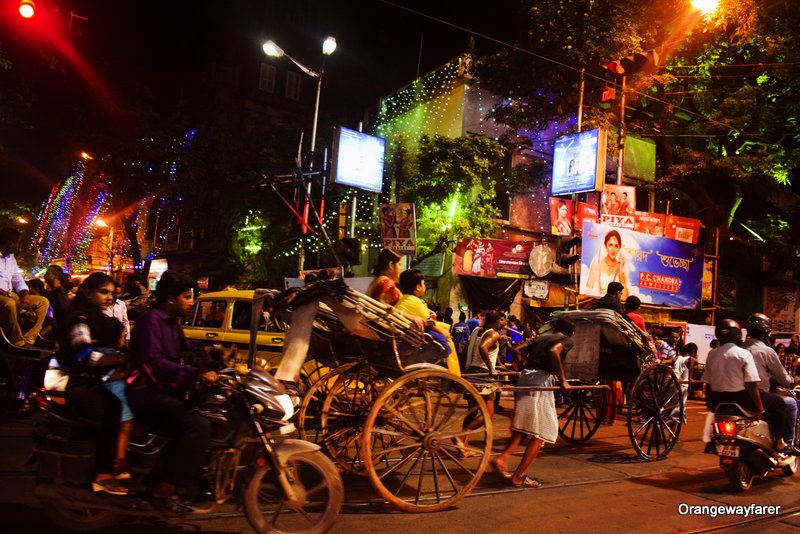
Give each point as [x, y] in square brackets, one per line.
[579, 162]
[658, 270]
[358, 159]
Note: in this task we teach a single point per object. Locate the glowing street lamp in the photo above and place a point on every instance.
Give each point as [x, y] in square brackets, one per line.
[328, 47]
[705, 6]
[103, 224]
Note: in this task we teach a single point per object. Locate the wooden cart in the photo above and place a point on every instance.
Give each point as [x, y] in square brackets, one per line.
[608, 347]
[389, 408]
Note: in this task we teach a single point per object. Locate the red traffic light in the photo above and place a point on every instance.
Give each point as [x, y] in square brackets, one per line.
[616, 67]
[27, 9]
[607, 94]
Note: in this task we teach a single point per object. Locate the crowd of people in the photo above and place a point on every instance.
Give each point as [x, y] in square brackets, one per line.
[113, 373]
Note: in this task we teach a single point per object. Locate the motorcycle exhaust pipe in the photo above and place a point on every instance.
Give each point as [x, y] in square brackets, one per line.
[760, 462]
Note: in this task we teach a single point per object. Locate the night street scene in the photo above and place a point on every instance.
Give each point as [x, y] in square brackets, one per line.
[399, 265]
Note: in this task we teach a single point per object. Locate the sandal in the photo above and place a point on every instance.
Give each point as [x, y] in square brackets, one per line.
[500, 469]
[109, 485]
[527, 482]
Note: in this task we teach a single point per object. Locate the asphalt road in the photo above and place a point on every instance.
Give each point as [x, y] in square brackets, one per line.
[601, 486]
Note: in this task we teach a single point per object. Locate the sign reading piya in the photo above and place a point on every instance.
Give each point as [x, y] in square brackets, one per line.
[399, 227]
[658, 270]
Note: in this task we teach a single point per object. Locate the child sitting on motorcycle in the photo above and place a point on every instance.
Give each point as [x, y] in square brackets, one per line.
[111, 340]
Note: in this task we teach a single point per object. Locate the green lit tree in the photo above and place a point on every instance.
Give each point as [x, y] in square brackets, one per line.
[455, 184]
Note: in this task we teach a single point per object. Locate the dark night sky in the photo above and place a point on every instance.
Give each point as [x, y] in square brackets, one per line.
[378, 52]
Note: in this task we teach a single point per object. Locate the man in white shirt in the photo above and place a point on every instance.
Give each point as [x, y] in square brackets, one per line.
[770, 370]
[14, 294]
[732, 376]
[119, 311]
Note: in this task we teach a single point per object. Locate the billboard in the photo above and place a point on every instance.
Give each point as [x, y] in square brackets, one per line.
[585, 212]
[399, 227]
[648, 222]
[682, 228]
[579, 162]
[658, 270]
[493, 258]
[561, 216]
[357, 159]
[618, 205]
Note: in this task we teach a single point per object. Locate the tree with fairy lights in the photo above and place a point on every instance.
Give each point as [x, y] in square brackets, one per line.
[455, 183]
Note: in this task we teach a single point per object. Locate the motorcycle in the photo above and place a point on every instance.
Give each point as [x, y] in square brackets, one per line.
[284, 484]
[745, 445]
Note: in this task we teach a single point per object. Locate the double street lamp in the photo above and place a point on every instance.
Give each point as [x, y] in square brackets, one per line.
[328, 47]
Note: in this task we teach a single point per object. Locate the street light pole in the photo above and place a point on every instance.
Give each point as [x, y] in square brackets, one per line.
[328, 47]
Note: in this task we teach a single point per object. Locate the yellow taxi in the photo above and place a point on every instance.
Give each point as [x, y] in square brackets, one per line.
[223, 317]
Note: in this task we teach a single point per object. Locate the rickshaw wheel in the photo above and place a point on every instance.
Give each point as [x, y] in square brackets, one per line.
[309, 417]
[416, 452]
[657, 412]
[583, 414]
[344, 411]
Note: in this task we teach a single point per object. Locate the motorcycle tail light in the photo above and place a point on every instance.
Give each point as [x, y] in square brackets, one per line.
[726, 428]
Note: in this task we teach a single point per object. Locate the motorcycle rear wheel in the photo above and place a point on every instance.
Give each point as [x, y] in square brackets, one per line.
[740, 476]
[316, 477]
[80, 518]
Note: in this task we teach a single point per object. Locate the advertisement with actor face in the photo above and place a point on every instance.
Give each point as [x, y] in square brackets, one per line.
[658, 270]
[561, 212]
[492, 258]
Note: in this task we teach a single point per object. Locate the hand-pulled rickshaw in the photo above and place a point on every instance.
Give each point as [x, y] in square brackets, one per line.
[608, 347]
[384, 404]
[388, 408]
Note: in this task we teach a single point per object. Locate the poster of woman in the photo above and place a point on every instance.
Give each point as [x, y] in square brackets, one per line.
[561, 216]
[658, 270]
[398, 227]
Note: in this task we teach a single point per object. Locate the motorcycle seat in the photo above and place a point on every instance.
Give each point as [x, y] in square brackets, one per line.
[735, 409]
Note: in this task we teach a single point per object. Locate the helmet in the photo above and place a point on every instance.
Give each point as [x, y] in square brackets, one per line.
[728, 331]
[758, 325]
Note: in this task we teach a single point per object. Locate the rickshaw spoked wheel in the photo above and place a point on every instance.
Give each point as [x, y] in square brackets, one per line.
[582, 415]
[418, 453]
[657, 412]
[344, 412]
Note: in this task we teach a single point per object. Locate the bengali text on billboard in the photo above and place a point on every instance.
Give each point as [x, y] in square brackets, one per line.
[658, 270]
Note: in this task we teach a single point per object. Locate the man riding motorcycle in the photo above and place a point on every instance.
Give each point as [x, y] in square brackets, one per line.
[159, 378]
[731, 375]
[771, 371]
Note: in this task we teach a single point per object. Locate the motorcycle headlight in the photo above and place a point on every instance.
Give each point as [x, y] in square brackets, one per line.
[288, 406]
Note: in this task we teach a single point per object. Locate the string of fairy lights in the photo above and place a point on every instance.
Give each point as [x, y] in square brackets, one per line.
[68, 221]
[447, 101]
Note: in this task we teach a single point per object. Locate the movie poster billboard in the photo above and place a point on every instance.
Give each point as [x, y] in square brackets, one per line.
[579, 162]
[561, 216]
[618, 205]
[399, 227]
[585, 212]
[648, 222]
[658, 270]
[683, 229]
[492, 258]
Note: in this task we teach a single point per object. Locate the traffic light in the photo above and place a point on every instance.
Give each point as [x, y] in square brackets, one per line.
[27, 9]
[645, 62]
[565, 258]
[348, 250]
[607, 93]
[615, 67]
